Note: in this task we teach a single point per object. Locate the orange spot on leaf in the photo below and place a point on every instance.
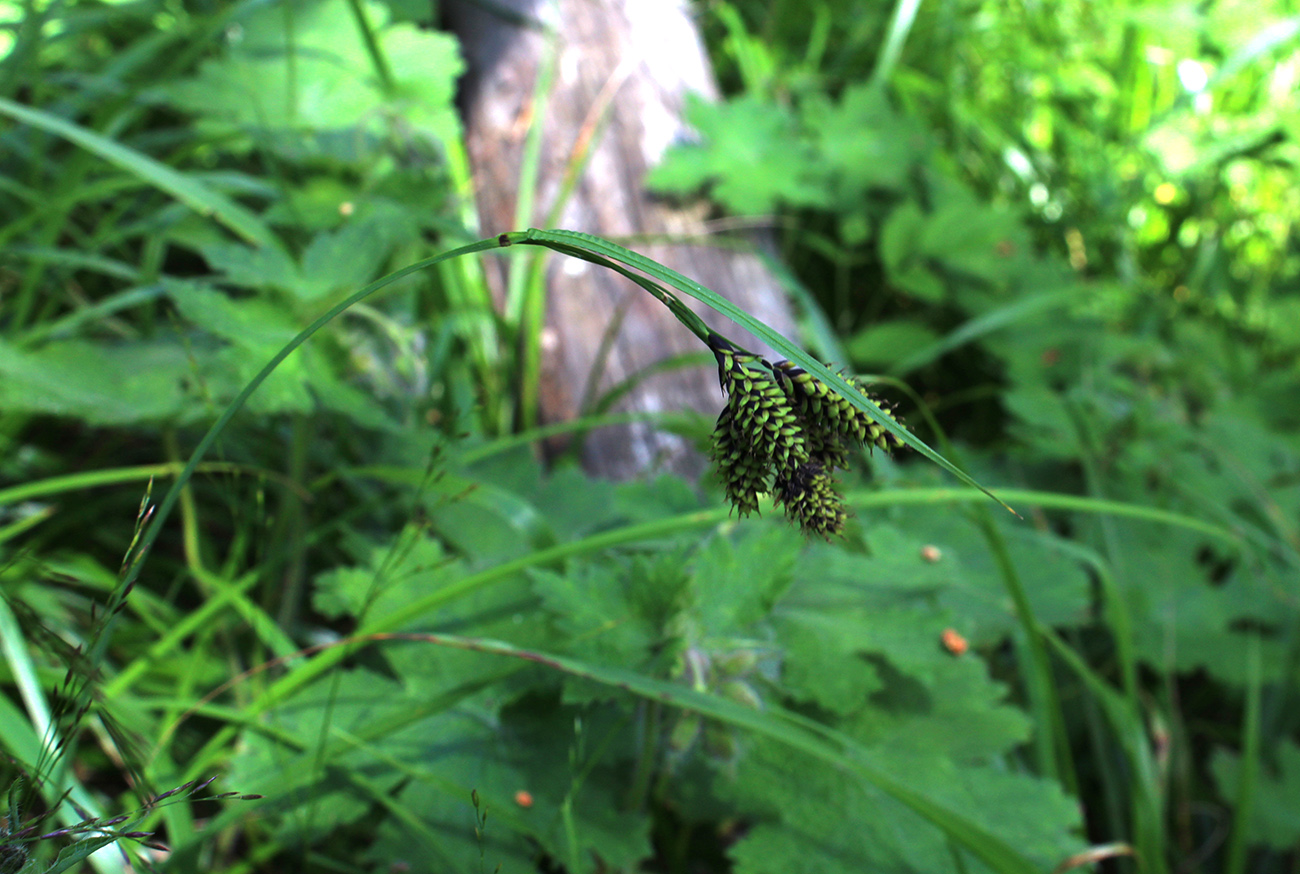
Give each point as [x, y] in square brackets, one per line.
[954, 642]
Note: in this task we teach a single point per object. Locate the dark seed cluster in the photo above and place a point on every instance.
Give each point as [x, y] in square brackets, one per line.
[785, 432]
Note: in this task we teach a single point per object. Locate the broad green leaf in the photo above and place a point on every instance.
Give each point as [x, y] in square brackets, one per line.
[254, 329]
[862, 144]
[531, 746]
[808, 741]
[337, 260]
[1274, 823]
[593, 613]
[885, 343]
[264, 269]
[971, 239]
[307, 85]
[100, 382]
[1056, 585]
[745, 160]
[810, 817]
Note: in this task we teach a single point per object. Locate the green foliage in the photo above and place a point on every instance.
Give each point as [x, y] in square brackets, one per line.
[424, 650]
[755, 616]
[1029, 221]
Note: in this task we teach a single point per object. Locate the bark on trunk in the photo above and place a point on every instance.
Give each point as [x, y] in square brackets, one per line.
[622, 70]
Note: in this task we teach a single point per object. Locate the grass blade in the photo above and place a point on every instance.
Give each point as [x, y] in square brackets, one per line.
[600, 251]
[193, 194]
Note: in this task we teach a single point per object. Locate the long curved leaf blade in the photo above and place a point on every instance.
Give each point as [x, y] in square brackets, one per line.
[187, 190]
[569, 241]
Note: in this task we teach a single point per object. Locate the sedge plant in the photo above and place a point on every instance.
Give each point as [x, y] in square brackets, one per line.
[786, 427]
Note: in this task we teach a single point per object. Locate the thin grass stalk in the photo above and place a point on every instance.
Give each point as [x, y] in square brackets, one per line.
[1125, 717]
[173, 494]
[308, 670]
[186, 189]
[1050, 740]
[1113, 775]
[222, 598]
[900, 25]
[378, 62]
[598, 252]
[49, 740]
[1247, 792]
[791, 729]
[526, 288]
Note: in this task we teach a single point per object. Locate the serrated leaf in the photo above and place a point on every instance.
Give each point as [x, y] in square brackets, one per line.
[750, 158]
[257, 85]
[413, 565]
[1274, 821]
[255, 328]
[861, 143]
[341, 259]
[256, 324]
[529, 747]
[1189, 623]
[265, 268]
[1057, 587]
[591, 611]
[797, 733]
[811, 818]
[737, 582]
[100, 382]
[646, 500]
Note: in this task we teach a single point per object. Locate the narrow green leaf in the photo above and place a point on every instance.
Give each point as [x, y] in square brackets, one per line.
[981, 325]
[188, 191]
[900, 25]
[588, 248]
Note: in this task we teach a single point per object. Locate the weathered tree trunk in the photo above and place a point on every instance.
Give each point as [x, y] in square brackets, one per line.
[622, 71]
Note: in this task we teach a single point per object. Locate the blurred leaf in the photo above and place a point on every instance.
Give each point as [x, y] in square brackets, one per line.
[752, 157]
[862, 144]
[295, 76]
[197, 196]
[884, 343]
[100, 382]
[738, 582]
[1274, 823]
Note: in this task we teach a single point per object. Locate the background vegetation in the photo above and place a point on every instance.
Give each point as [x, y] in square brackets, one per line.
[1062, 233]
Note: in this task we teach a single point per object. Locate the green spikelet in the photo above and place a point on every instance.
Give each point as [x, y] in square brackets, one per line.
[744, 477]
[761, 415]
[876, 433]
[810, 500]
[785, 431]
[824, 410]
